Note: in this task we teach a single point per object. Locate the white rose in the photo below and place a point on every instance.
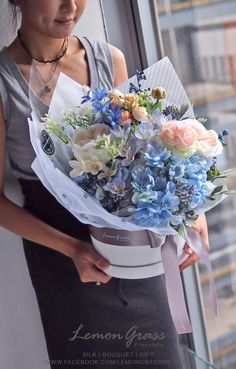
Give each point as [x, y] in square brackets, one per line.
[88, 150]
[84, 135]
[209, 144]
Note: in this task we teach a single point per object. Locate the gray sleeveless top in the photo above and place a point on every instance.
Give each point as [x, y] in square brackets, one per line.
[14, 92]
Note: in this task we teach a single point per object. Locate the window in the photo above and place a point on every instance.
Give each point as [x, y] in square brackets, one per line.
[199, 38]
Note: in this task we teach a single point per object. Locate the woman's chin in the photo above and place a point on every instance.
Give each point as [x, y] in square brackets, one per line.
[63, 29]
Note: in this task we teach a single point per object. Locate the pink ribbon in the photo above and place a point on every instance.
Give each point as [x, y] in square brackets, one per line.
[174, 287]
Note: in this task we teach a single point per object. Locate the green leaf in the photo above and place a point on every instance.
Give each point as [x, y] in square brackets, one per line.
[216, 190]
[202, 120]
[183, 109]
[157, 105]
[182, 231]
[55, 128]
[229, 192]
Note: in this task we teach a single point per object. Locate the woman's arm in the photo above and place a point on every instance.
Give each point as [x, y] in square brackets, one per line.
[119, 64]
[21, 222]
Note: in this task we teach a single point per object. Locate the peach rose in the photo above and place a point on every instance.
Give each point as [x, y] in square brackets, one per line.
[190, 136]
[126, 117]
[140, 113]
[131, 98]
[179, 135]
[115, 94]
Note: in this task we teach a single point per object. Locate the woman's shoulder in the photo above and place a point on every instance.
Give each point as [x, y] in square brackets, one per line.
[119, 65]
[116, 57]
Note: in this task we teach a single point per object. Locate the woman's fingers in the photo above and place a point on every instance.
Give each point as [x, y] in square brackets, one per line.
[192, 258]
[202, 229]
[90, 264]
[92, 274]
[97, 259]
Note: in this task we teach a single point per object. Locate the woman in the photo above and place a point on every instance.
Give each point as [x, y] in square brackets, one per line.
[84, 324]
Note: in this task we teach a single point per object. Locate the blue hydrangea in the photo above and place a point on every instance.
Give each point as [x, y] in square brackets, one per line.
[142, 179]
[156, 154]
[151, 215]
[160, 183]
[159, 118]
[200, 193]
[176, 171]
[145, 131]
[170, 201]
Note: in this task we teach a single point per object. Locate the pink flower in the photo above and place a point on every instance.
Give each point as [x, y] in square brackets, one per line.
[179, 135]
[126, 117]
[190, 136]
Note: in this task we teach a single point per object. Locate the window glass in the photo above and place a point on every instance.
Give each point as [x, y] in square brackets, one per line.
[199, 37]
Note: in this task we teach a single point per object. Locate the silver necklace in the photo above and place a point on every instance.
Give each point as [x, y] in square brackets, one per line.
[46, 85]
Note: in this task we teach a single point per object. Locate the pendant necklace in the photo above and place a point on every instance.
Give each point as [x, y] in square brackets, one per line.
[46, 89]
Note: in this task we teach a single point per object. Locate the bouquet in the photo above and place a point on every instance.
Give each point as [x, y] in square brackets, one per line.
[138, 168]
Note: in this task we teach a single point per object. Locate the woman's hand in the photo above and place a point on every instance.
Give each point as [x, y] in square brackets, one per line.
[201, 228]
[90, 264]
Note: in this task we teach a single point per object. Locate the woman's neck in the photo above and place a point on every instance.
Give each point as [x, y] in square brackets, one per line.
[41, 46]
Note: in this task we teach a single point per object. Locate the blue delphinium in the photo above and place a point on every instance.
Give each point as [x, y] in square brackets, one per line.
[176, 172]
[98, 99]
[190, 177]
[140, 75]
[199, 197]
[99, 94]
[86, 97]
[118, 185]
[109, 114]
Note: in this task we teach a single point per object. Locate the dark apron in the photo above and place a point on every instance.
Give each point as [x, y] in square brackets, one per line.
[121, 324]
